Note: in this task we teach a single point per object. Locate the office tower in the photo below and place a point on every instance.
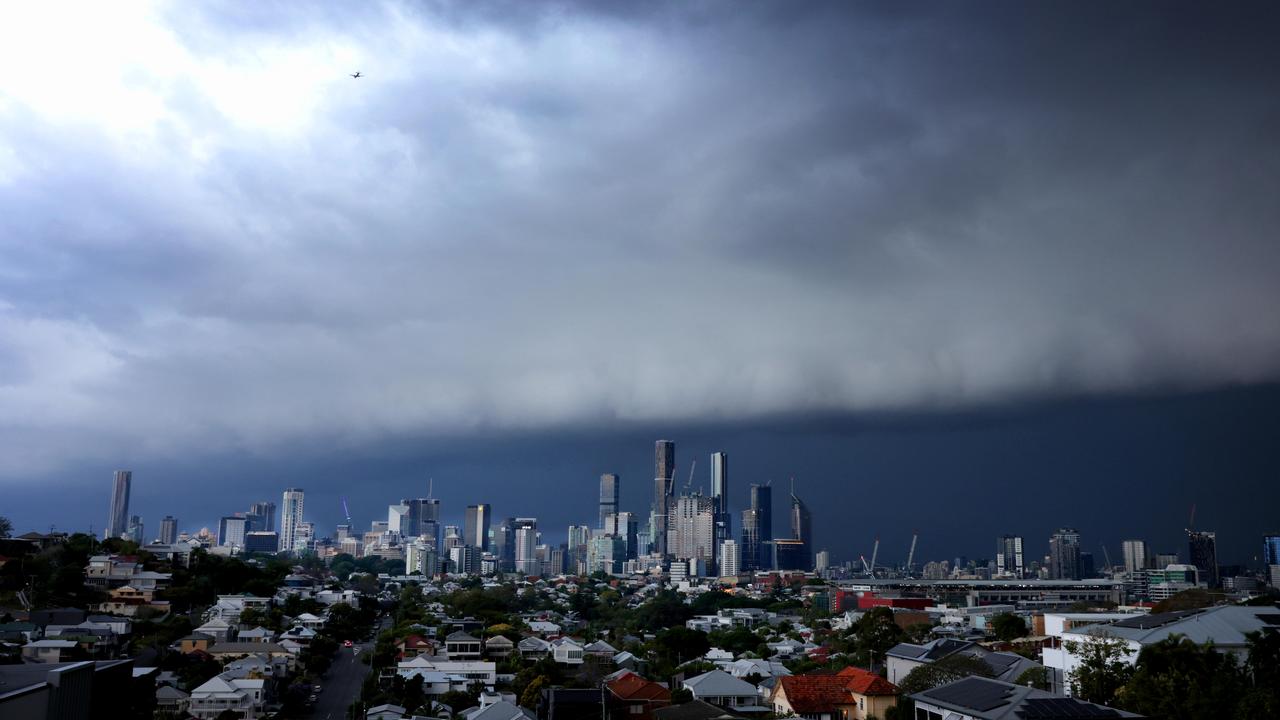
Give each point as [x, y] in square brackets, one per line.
[1135, 555]
[475, 526]
[626, 526]
[169, 530]
[720, 496]
[1009, 556]
[606, 553]
[231, 530]
[579, 539]
[1064, 555]
[290, 518]
[305, 540]
[452, 538]
[821, 561]
[556, 558]
[802, 530]
[135, 530]
[663, 482]
[730, 558]
[261, 541]
[465, 559]
[429, 521]
[526, 546]
[262, 517]
[1203, 547]
[118, 522]
[757, 527]
[398, 521]
[1086, 565]
[691, 531]
[504, 545]
[610, 486]
[1270, 550]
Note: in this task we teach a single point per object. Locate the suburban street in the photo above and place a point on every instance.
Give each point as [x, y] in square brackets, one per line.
[342, 683]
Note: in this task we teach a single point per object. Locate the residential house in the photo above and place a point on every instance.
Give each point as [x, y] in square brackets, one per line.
[195, 641]
[256, 635]
[533, 648]
[851, 694]
[415, 645]
[1225, 626]
[694, 710]
[243, 696]
[902, 658]
[470, 672]
[499, 647]
[50, 651]
[720, 688]
[501, 710]
[172, 701]
[230, 650]
[129, 601]
[544, 628]
[979, 698]
[218, 629]
[631, 697]
[461, 646]
[599, 649]
[567, 651]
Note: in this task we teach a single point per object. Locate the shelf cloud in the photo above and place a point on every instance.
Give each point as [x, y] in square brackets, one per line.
[211, 236]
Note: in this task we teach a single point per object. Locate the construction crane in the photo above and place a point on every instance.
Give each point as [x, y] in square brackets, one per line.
[693, 466]
[874, 552]
[863, 558]
[1106, 555]
[911, 555]
[346, 511]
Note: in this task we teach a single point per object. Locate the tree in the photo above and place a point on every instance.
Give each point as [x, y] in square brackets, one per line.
[926, 677]
[1036, 677]
[1008, 626]
[1191, 599]
[1178, 679]
[1103, 668]
[877, 632]
[680, 644]
[6, 527]
[681, 695]
[533, 692]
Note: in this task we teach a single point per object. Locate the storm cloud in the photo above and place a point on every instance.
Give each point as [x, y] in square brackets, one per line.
[547, 216]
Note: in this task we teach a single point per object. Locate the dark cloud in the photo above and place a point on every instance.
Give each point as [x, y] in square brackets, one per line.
[549, 216]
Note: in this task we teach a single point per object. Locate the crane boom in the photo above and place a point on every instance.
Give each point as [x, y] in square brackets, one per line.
[911, 556]
[874, 552]
[1106, 555]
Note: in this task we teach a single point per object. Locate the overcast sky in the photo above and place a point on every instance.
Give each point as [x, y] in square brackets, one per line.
[537, 218]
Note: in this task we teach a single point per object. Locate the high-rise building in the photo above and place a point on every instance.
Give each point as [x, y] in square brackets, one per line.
[730, 558]
[579, 538]
[398, 521]
[1009, 556]
[504, 545]
[626, 526]
[1270, 550]
[1203, 548]
[231, 530]
[118, 521]
[1064, 555]
[135, 532]
[610, 488]
[757, 528]
[691, 532]
[429, 521]
[526, 546]
[1135, 555]
[606, 553]
[452, 538]
[305, 538]
[664, 453]
[261, 517]
[802, 530]
[290, 518]
[475, 526]
[169, 530]
[821, 561]
[720, 496]
[261, 542]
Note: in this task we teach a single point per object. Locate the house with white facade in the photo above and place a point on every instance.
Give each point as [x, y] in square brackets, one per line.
[220, 694]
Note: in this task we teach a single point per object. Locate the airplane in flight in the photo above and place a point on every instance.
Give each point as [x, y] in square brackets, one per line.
[357, 74]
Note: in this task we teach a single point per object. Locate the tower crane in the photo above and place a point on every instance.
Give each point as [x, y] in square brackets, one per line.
[874, 552]
[911, 555]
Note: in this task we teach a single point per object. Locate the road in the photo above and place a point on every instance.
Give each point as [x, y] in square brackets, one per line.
[342, 682]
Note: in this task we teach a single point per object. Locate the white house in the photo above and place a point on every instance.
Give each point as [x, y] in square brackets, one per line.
[220, 694]
[720, 688]
[567, 651]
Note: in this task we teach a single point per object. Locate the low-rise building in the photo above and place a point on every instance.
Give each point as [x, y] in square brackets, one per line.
[720, 688]
[243, 696]
[851, 694]
[978, 698]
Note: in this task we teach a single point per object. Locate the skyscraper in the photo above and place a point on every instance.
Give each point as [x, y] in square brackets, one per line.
[730, 558]
[231, 531]
[691, 531]
[757, 527]
[290, 518]
[664, 454]
[118, 522]
[1271, 550]
[475, 526]
[169, 530]
[1135, 555]
[1064, 554]
[1203, 547]
[609, 490]
[261, 517]
[626, 526]
[720, 496]
[135, 530]
[526, 546]
[802, 530]
[579, 539]
[504, 544]
[1009, 556]
[398, 521]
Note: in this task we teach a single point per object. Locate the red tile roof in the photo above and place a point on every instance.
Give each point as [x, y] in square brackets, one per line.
[866, 683]
[814, 693]
[630, 686]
